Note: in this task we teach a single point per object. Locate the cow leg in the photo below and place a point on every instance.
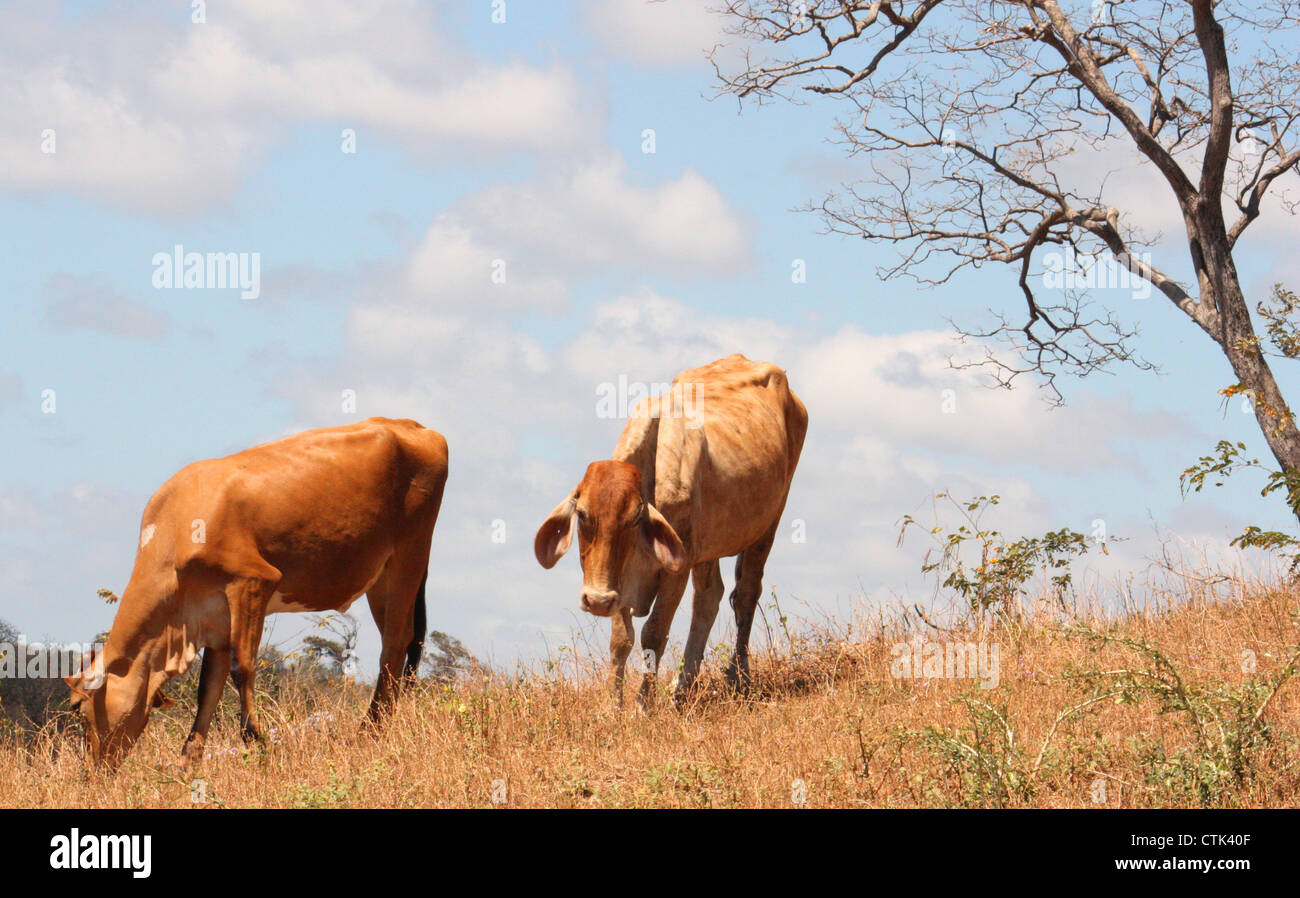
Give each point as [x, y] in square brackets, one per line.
[392, 659]
[392, 601]
[382, 697]
[247, 598]
[212, 681]
[704, 608]
[744, 601]
[654, 633]
[377, 599]
[621, 636]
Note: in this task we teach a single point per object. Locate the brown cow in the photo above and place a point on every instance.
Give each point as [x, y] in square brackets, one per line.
[307, 523]
[699, 474]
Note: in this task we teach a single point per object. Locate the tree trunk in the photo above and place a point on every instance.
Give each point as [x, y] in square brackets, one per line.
[1241, 345]
[1271, 411]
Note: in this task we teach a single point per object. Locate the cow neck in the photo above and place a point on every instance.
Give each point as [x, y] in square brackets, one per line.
[139, 640]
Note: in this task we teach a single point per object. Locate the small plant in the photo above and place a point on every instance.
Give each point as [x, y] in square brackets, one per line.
[701, 785]
[1225, 720]
[338, 792]
[1005, 566]
[985, 756]
[991, 764]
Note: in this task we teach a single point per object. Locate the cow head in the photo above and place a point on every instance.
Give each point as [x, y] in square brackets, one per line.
[114, 707]
[623, 540]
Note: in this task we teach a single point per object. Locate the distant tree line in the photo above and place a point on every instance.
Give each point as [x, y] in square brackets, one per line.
[326, 657]
[26, 703]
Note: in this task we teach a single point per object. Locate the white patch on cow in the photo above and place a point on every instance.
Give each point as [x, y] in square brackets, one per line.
[279, 602]
[147, 534]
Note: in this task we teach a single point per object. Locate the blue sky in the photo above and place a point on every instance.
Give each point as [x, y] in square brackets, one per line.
[520, 141]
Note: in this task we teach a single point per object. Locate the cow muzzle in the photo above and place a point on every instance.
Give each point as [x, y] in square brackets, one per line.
[600, 602]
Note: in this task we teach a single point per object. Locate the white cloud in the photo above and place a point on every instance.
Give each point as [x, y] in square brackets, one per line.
[592, 213]
[655, 32]
[158, 113]
[454, 265]
[542, 235]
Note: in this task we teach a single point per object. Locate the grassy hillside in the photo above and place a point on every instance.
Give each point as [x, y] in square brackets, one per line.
[1147, 709]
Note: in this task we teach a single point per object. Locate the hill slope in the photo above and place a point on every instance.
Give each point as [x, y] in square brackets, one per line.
[1150, 710]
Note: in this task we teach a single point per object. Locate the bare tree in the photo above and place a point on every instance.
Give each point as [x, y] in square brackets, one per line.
[335, 653]
[965, 112]
[447, 658]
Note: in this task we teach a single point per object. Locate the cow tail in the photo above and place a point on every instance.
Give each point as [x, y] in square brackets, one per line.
[416, 647]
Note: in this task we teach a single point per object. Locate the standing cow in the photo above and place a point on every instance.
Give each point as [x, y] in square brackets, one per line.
[699, 474]
[308, 523]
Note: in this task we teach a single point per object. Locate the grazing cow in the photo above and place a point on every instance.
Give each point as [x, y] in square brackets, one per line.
[307, 523]
[699, 474]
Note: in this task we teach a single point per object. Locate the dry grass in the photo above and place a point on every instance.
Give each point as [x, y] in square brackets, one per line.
[825, 724]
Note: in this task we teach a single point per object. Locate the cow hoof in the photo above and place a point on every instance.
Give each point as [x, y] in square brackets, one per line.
[191, 753]
[648, 693]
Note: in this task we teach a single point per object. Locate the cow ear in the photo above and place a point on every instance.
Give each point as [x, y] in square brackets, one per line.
[660, 539]
[161, 700]
[555, 534]
[75, 684]
[87, 679]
